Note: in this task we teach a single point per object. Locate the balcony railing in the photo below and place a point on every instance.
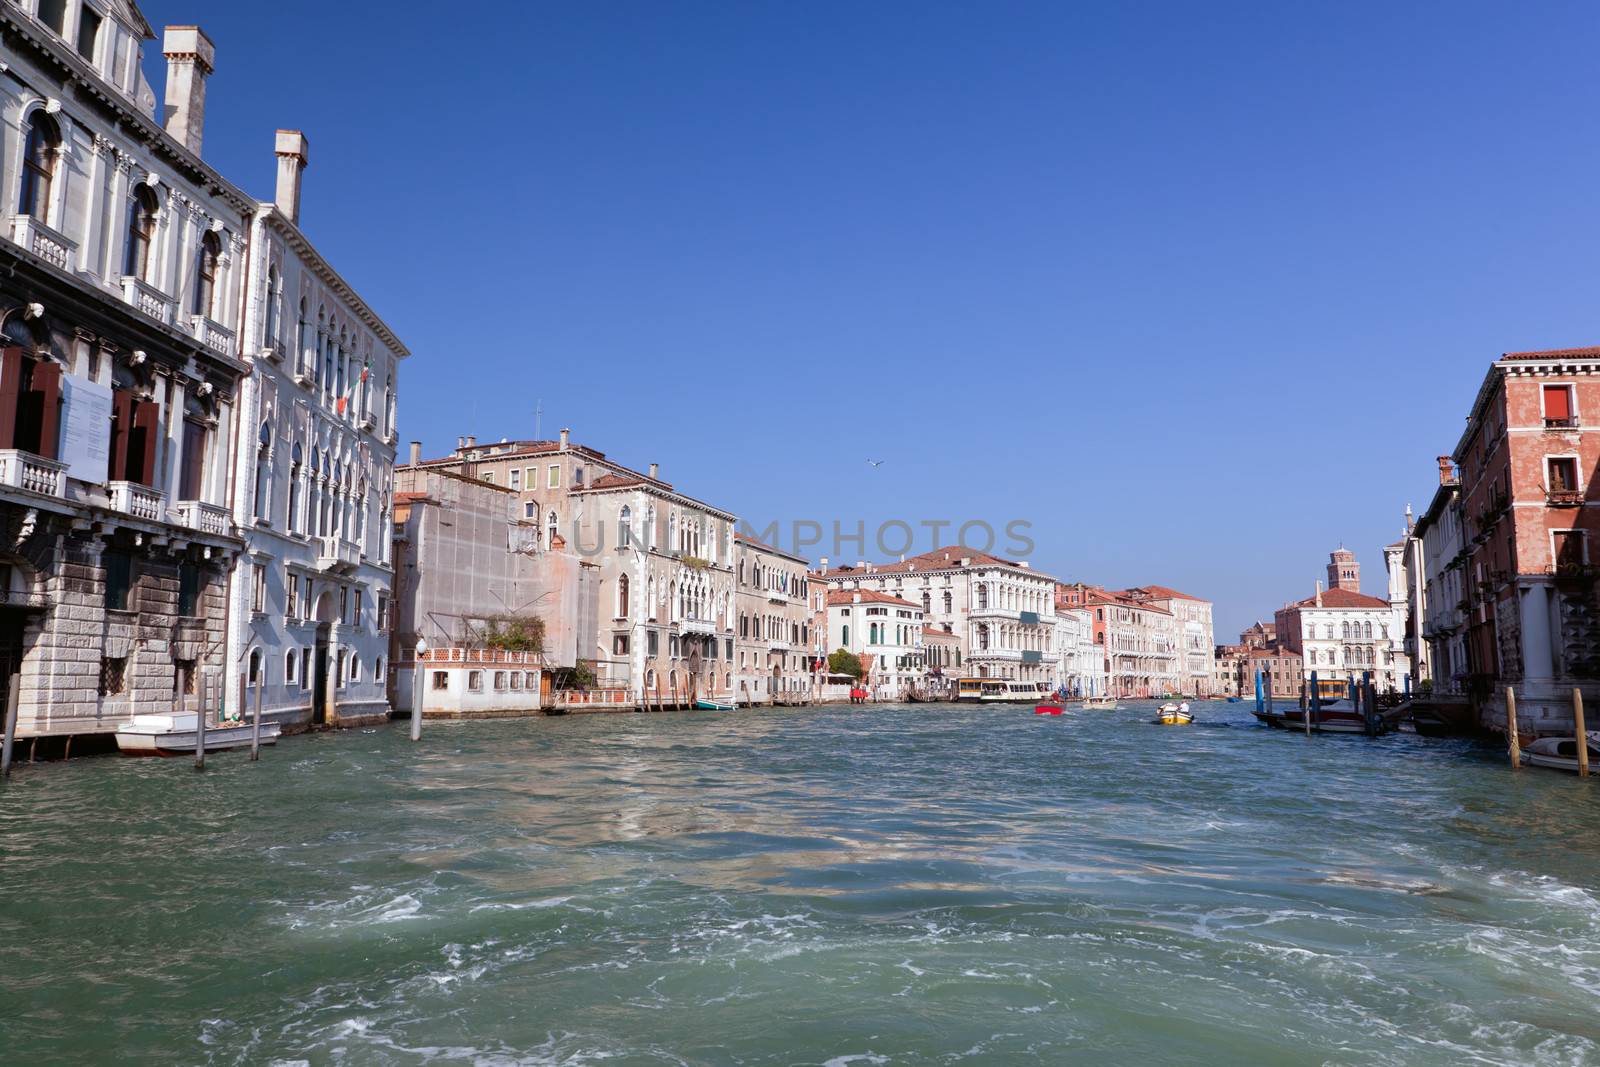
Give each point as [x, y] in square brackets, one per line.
[24, 470]
[212, 334]
[337, 554]
[140, 501]
[42, 241]
[148, 299]
[1565, 498]
[691, 625]
[1568, 423]
[206, 518]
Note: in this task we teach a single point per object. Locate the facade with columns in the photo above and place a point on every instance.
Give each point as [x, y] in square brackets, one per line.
[121, 254]
[312, 597]
[886, 633]
[1342, 633]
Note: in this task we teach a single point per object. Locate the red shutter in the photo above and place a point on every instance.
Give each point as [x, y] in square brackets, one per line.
[47, 385]
[1557, 403]
[117, 460]
[10, 381]
[145, 416]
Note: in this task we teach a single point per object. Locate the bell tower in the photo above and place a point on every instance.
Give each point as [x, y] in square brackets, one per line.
[1343, 570]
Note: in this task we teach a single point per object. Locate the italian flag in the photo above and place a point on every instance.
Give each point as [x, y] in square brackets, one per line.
[350, 390]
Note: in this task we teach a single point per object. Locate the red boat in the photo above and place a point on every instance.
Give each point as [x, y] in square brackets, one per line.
[1048, 709]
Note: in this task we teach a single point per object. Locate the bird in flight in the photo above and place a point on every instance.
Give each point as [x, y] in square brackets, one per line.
[876, 462]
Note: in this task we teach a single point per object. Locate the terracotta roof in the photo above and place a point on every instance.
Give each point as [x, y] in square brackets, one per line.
[939, 559]
[610, 481]
[868, 596]
[1556, 353]
[936, 632]
[1341, 598]
[406, 498]
[1163, 592]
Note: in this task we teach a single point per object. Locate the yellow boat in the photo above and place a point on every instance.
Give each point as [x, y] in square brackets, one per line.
[1174, 715]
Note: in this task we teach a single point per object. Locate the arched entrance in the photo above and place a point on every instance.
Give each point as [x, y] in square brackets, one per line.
[321, 692]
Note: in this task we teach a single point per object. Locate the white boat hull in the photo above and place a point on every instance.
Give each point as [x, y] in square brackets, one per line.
[175, 735]
[1561, 753]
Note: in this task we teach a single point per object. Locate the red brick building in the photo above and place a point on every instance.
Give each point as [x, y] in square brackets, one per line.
[1532, 517]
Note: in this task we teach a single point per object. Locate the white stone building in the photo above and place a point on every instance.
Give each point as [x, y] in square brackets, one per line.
[311, 597]
[1437, 589]
[1080, 661]
[121, 264]
[1003, 610]
[885, 631]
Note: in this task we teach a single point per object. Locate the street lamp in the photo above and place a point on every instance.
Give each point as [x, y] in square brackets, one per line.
[417, 688]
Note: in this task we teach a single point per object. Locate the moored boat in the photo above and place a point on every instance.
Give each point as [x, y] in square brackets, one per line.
[1561, 753]
[707, 704]
[1100, 703]
[175, 735]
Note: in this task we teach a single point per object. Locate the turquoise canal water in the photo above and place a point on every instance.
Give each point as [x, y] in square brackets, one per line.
[867, 886]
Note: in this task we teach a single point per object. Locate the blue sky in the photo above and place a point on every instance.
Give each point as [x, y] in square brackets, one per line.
[1199, 290]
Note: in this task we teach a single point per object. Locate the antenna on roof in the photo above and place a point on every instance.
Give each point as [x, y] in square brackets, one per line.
[538, 417]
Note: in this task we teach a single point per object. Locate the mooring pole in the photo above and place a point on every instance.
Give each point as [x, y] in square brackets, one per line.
[1514, 746]
[13, 692]
[1582, 735]
[199, 718]
[1260, 704]
[1315, 710]
[255, 721]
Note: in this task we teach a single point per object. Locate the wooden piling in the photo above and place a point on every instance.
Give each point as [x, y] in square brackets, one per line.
[13, 693]
[1578, 730]
[1514, 746]
[199, 717]
[255, 720]
[1315, 705]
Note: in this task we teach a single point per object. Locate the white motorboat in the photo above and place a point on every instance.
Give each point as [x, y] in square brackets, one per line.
[174, 735]
[1561, 753]
[1100, 703]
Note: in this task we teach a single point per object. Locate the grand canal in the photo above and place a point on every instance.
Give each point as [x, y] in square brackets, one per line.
[867, 886]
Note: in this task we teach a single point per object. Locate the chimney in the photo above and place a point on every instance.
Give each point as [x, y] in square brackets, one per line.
[1447, 471]
[190, 59]
[292, 163]
[1319, 592]
[472, 441]
[566, 438]
[655, 470]
[824, 564]
[461, 442]
[416, 453]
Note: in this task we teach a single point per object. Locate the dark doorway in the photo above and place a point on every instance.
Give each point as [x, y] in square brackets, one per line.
[319, 690]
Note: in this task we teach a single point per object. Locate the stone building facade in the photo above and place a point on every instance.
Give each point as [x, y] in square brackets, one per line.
[1342, 634]
[664, 560]
[1003, 610]
[1191, 619]
[885, 631]
[1436, 584]
[121, 267]
[312, 598]
[773, 644]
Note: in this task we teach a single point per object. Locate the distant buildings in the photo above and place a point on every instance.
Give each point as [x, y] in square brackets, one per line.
[1437, 590]
[773, 647]
[885, 633]
[1341, 632]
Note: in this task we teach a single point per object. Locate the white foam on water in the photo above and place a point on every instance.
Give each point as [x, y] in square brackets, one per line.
[859, 1057]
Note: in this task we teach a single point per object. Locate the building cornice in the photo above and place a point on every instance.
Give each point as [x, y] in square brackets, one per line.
[302, 247]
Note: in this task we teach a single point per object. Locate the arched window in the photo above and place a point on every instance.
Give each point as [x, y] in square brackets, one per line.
[983, 635]
[302, 328]
[554, 524]
[846, 642]
[293, 519]
[319, 353]
[622, 597]
[142, 211]
[263, 449]
[927, 602]
[255, 667]
[624, 526]
[274, 305]
[39, 150]
[205, 278]
[948, 602]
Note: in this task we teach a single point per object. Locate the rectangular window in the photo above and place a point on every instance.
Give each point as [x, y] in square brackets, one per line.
[383, 613]
[531, 679]
[113, 675]
[344, 603]
[292, 604]
[258, 588]
[119, 579]
[305, 668]
[555, 476]
[192, 477]
[184, 669]
[488, 476]
[499, 681]
[355, 606]
[1569, 549]
[619, 645]
[88, 31]
[441, 680]
[516, 478]
[1558, 406]
[53, 13]
[528, 510]
[652, 642]
[672, 645]
[188, 590]
[516, 680]
[1563, 474]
